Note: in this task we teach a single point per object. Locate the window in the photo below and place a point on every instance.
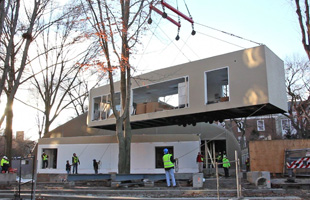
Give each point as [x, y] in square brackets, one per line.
[285, 125]
[260, 125]
[159, 153]
[52, 158]
[102, 107]
[217, 86]
[167, 95]
[96, 111]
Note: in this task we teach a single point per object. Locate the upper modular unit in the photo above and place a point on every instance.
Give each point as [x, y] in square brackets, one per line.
[244, 83]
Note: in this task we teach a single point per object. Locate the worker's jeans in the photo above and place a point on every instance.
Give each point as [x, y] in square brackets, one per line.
[45, 164]
[75, 168]
[170, 174]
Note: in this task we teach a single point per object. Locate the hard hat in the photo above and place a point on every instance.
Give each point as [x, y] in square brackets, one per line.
[5, 157]
[165, 151]
[224, 156]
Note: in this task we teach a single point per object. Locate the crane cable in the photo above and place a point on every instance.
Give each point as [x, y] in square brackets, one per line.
[189, 14]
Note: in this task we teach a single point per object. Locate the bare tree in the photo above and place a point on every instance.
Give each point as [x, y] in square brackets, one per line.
[58, 73]
[242, 125]
[303, 13]
[117, 26]
[79, 95]
[4, 7]
[20, 28]
[298, 91]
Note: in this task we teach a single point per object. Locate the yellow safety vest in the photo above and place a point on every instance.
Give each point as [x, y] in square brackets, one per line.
[4, 161]
[75, 159]
[45, 157]
[226, 163]
[167, 161]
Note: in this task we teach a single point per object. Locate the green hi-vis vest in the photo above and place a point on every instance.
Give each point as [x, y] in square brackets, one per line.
[226, 163]
[167, 161]
[4, 161]
[75, 159]
[44, 157]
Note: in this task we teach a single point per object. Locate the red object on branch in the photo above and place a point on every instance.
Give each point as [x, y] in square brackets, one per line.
[177, 12]
[161, 13]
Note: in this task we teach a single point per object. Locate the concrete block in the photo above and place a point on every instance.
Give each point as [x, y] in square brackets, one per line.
[259, 178]
[7, 178]
[197, 180]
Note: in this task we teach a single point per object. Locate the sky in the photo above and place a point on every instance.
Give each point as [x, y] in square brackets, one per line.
[269, 22]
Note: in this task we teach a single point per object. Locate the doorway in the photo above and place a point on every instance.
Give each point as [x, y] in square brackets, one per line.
[52, 158]
[210, 149]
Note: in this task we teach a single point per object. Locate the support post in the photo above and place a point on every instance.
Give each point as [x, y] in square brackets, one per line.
[217, 181]
[237, 174]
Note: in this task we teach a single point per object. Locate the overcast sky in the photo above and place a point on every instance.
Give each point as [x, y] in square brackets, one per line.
[270, 22]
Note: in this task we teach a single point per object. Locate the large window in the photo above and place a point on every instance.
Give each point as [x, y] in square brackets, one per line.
[260, 125]
[102, 107]
[167, 95]
[217, 86]
[159, 153]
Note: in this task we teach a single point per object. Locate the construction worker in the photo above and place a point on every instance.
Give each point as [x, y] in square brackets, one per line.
[5, 164]
[226, 166]
[45, 160]
[68, 167]
[75, 163]
[219, 159]
[169, 167]
[247, 164]
[96, 165]
[199, 160]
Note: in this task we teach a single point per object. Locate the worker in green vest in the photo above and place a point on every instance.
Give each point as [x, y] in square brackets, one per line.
[226, 166]
[169, 167]
[75, 163]
[5, 163]
[45, 160]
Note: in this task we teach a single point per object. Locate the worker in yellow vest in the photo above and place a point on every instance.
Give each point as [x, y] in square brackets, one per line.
[226, 166]
[75, 163]
[45, 160]
[5, 163]
[169, 167]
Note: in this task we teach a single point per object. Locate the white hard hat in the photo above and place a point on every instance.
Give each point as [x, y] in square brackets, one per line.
[5, 157]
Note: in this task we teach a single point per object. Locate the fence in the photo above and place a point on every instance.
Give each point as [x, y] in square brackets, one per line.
[298, 161]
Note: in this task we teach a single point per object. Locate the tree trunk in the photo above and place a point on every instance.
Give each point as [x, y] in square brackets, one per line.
[127, 131]
[121, 146]
[8, 129]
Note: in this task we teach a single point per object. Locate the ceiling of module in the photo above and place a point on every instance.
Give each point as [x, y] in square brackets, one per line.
[155, 91]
